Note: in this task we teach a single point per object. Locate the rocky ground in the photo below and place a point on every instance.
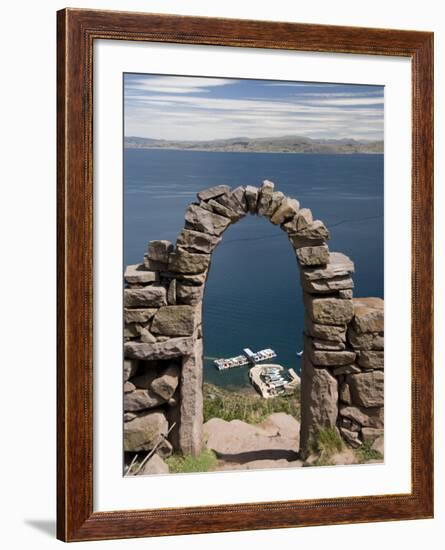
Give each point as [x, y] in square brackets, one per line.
[274, 443]
[243, 431]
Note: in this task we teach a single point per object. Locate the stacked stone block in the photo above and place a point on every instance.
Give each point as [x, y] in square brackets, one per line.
[343, 350]
[362, 390]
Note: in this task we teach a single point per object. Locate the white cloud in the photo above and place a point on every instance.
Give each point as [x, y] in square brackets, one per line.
[175, 84]
[165, 108]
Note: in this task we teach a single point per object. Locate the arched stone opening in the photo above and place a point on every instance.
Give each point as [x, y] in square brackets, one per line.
[342, 367]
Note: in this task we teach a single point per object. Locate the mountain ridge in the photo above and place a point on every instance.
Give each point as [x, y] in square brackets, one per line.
[282, 144]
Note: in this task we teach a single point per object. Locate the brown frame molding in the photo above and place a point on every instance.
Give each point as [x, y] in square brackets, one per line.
[76, 32]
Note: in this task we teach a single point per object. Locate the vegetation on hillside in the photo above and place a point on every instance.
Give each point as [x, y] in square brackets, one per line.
[246, 406]
[328, 443]
[180, 464]
[325, 445]
[366, 453]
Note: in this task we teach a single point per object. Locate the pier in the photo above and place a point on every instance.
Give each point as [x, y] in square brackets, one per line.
[272, 380]
[248, 357]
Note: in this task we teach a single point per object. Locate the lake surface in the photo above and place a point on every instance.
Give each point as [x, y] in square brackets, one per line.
[253, 294]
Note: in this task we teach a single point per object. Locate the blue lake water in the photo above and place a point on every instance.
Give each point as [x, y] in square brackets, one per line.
[253, 295]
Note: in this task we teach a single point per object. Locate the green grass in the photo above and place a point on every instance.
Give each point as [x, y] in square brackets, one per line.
[246, 406]
[325, 444]
[366, 452]
[179, 464]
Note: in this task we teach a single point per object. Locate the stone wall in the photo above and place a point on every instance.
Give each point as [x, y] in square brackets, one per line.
[342, 370]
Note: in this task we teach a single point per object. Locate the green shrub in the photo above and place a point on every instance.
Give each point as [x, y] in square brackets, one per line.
[366, 452]
[179, 464]
[326, 443]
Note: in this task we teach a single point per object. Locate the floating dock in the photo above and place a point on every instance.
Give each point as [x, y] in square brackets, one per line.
[272, 380]
[247, 358]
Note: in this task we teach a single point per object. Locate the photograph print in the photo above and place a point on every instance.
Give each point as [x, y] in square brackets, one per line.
[253, 276]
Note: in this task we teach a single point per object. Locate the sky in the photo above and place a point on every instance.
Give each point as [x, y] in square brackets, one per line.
[197, 108]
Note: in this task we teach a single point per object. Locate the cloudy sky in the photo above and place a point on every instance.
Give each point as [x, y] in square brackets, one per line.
[195, 108]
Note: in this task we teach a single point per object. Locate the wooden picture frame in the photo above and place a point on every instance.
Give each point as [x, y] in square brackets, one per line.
[77, 31]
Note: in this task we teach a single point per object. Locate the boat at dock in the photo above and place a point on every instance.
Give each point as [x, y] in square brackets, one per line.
[248, 357]
[273, 380]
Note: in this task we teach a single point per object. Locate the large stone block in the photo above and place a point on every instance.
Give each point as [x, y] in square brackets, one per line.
[368, 315]
[328, 311]
[200, 219]
[240, 195]
[129, 387]
[371, 434]
[213, 192]
[191, 408]
[149, 296]
[154, 465]
[194, 279]
[331, 345]
[196, 241]
[338, 266]
[264, 197]
[205, 205]
[183, 261]
[251, 198]
[154, 265]
[319, 401]
[187, 294]
[287, 210]
[166, 383]
[159, 250]
[140, 400]
[324, 332]
[366, 340]
[141, 316]
[367, 388]
[275, 201]
[346, 369]
[146, 336]
[173, 347]
[223, 210]
[139, 274]
[313, 255]
[371, 417]
[174, 321]
[328, 358]
[143, 432]
[232, 204]
[326, 286]
[312, 235]
[372, 359]
[302, 220]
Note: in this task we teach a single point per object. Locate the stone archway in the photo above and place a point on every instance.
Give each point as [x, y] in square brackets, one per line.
[342, 368]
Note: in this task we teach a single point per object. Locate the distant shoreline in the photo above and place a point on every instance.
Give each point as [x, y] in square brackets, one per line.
[283, 144]
[260, 152]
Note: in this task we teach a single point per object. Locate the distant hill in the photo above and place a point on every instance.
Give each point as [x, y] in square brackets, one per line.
[285, 144]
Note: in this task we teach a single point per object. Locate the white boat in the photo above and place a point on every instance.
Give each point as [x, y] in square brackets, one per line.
[248, 357]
